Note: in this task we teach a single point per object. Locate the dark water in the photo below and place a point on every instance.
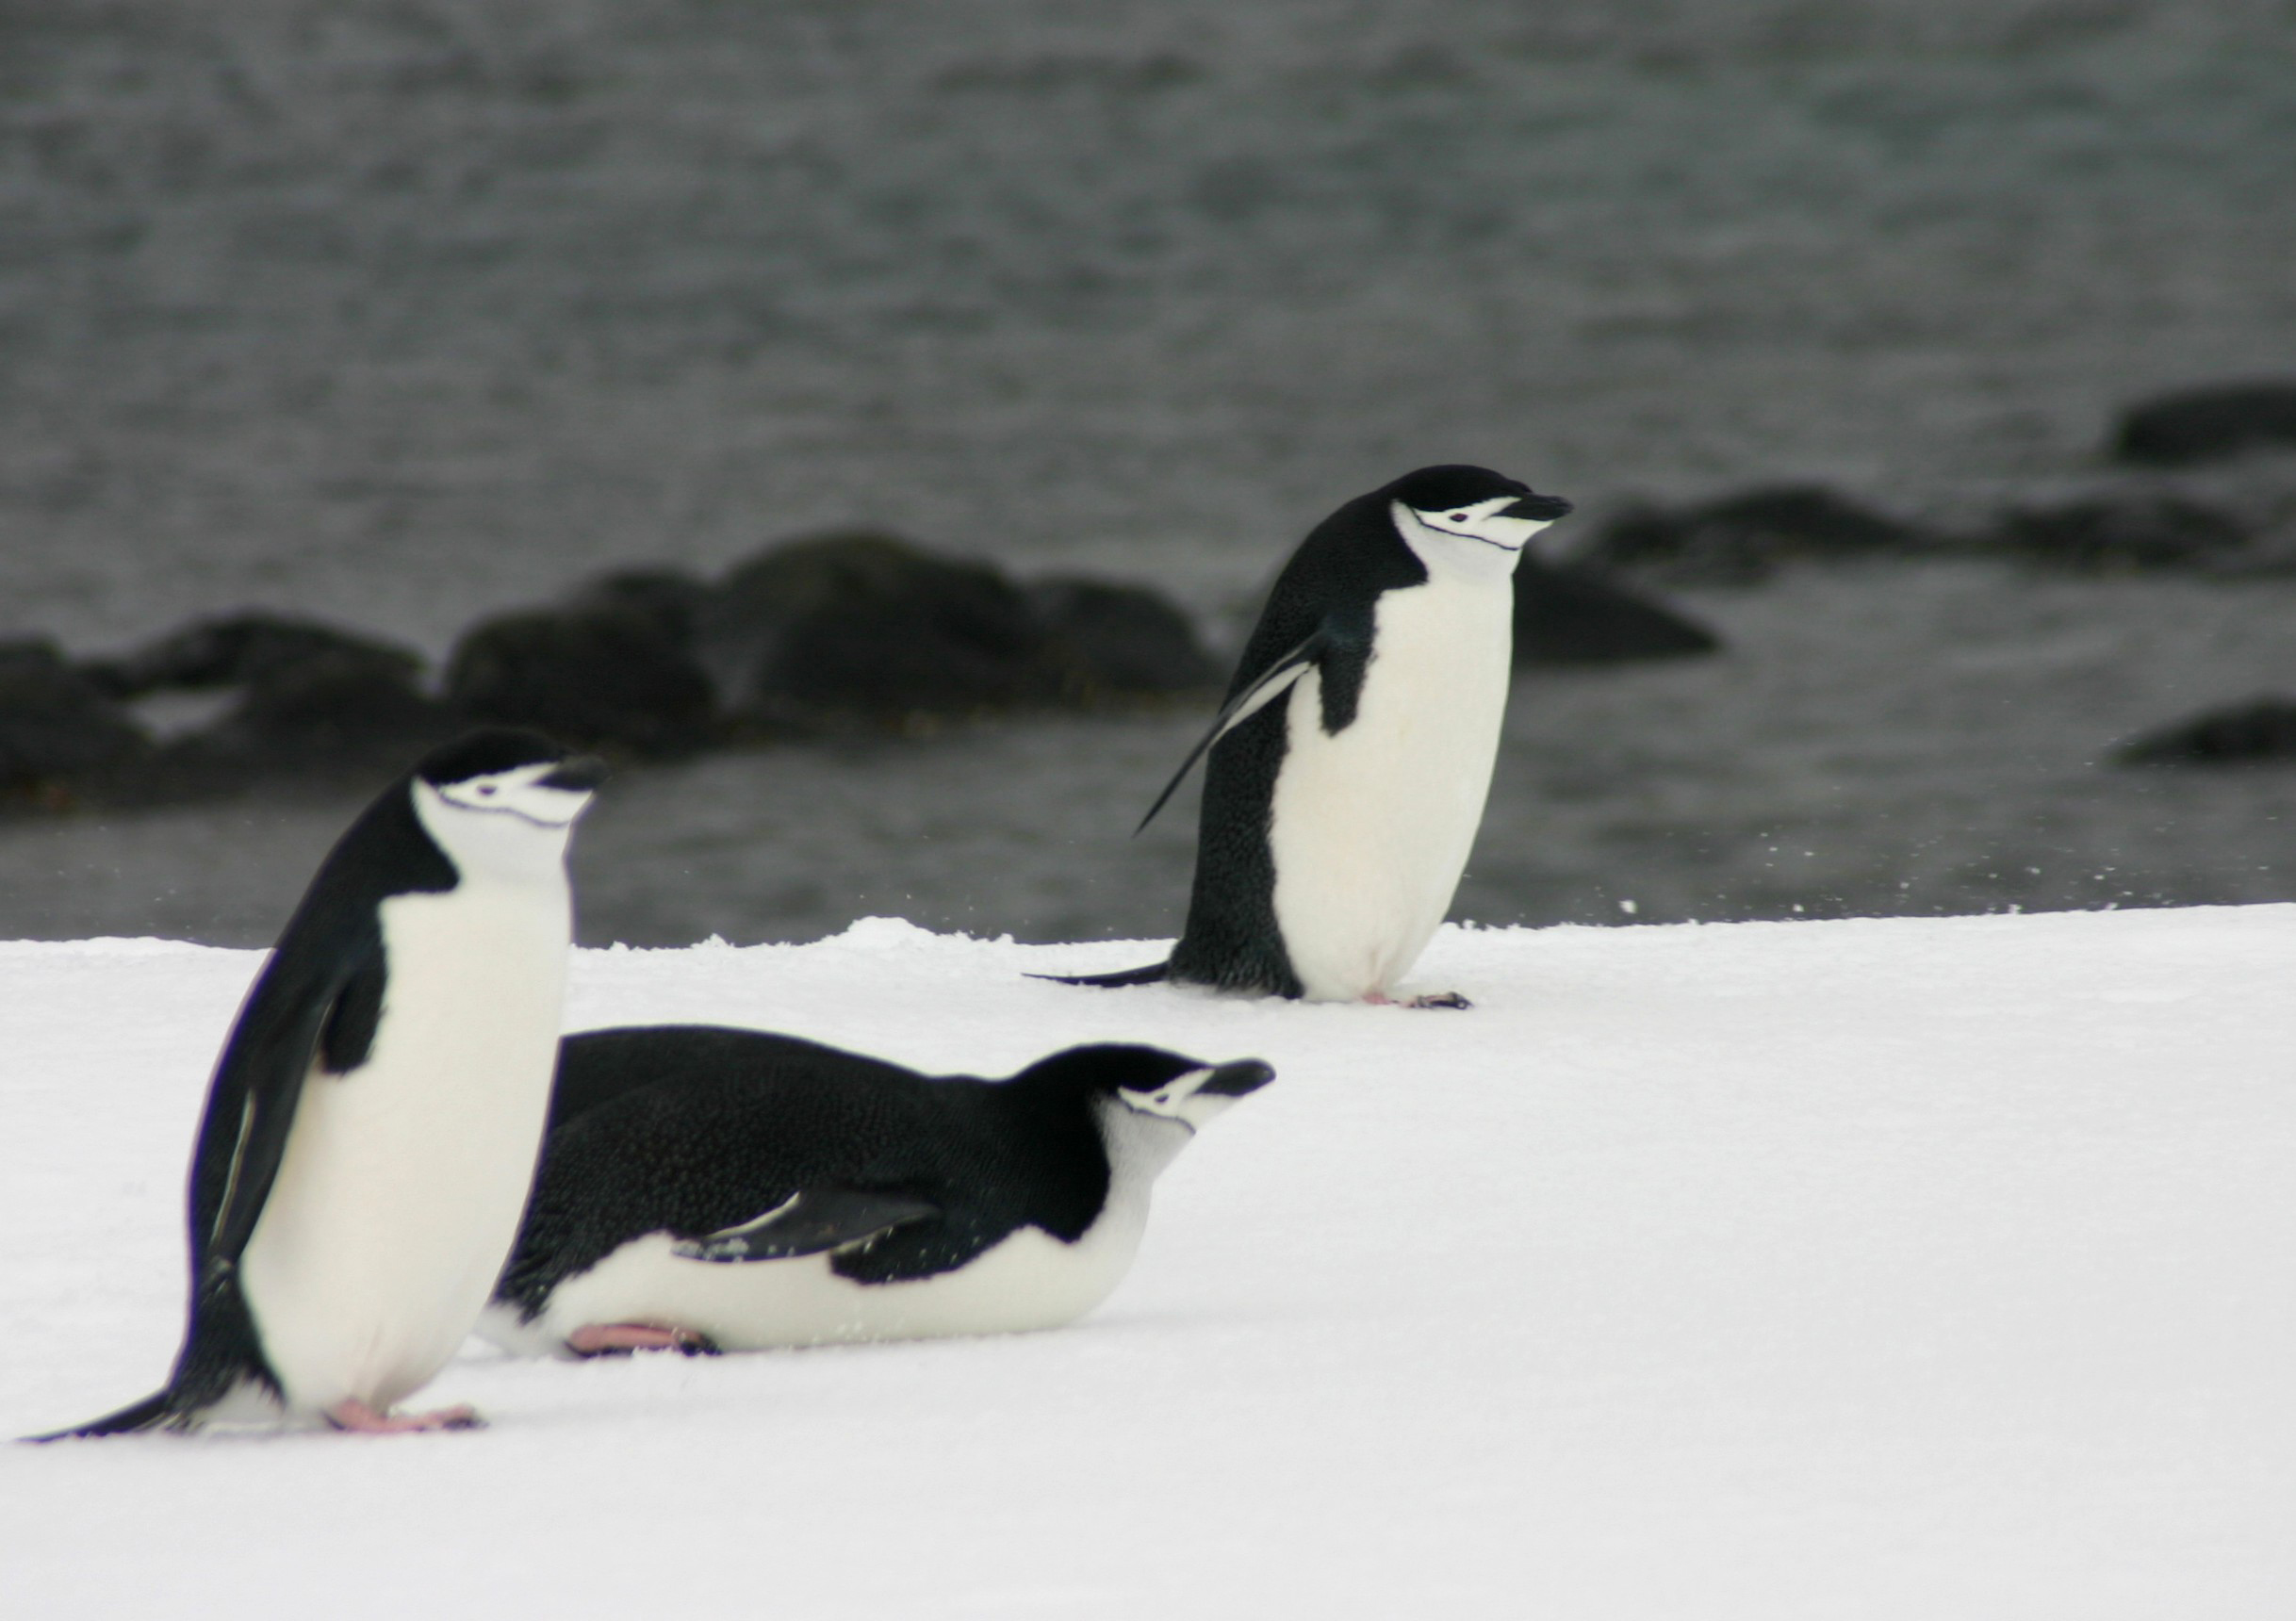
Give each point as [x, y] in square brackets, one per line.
[399, 312]
[1912, 740]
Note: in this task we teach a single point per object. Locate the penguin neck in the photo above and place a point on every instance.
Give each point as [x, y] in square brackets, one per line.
[1139, 1146]
[1081, 1134]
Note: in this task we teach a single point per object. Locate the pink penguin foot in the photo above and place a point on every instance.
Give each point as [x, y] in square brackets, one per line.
[621, 1338]
[361, 1419]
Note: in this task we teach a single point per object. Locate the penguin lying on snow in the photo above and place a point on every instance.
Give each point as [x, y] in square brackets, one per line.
[711, 1188]
[371, 1127]
[1347, 770]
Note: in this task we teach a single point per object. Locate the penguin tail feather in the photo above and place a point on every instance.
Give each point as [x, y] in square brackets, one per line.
[1156, 973]
[148, 1413]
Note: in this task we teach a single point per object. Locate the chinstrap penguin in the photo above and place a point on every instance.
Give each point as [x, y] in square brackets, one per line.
[706, 1188]
[1345, 776]
[371, 1127]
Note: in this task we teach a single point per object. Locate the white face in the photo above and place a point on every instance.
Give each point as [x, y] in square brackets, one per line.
[518, 791]
[1180, 1099]
[503, 826]
[1479, 525]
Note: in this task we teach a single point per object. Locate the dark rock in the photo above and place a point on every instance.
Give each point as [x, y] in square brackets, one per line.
[670, 600]
[239, 649]
[313, 702]
[2203, 424]
[610, 672]
[1743, 538]
[1571, 616]
[334, 716]
[2259, 732]
[2126, 532]
[1127, 640]
[58, 731]
[860, 623]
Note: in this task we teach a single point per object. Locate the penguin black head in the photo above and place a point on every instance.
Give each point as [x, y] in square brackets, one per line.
[1151, 1082]
[1436, 507]
[500, 779]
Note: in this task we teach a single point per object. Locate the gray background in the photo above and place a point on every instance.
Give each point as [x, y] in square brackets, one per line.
[401, 313]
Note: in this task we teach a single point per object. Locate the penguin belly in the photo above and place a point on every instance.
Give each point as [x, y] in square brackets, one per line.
[401, 1188]
[1028, 1280]
[1371, 829]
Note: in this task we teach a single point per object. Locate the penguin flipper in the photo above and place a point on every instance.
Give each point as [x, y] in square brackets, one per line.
[311, 1011]
[808, 1222]
[1254, 696]
[327, 1020]
[1155, 974]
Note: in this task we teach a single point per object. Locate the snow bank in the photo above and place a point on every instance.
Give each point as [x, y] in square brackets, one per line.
[1848, 1269]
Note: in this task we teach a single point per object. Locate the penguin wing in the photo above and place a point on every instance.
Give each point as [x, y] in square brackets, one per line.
[322, 1019]
[1250, 697]
[809, 1221]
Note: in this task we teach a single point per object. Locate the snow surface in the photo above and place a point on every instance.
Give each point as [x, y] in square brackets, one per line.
[1917, 1268]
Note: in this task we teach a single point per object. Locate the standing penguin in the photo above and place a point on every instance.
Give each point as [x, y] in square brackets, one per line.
[1347, 768]
[371, 1129]
[705, 1188]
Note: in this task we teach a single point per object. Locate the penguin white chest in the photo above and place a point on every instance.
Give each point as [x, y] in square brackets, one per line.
[401, 1188]
[1370, 828]
[1027, 1281]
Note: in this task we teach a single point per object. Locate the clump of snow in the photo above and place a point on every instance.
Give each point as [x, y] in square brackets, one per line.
[1865, 1269]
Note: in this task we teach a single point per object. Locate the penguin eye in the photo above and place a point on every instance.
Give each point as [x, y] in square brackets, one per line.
[486, 789]
[1458, 518]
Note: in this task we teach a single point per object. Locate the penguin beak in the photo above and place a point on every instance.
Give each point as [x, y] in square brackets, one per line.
[1538, 508]
[1238, 1079]
[577, 774]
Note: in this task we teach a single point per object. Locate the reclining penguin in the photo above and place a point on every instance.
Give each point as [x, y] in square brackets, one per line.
[1344, 778]
[712, 1188]
[372, 1126]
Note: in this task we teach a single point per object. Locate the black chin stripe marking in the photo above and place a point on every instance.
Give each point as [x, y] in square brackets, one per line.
[1464, 534]
[509, 811]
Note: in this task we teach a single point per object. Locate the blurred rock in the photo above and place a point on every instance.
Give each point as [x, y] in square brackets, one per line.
[1128, 640]
[1743, 538]
[59, 733]
[2259, 732]
[2204, 424]
[241, 648]
[338, 718]
[314, 702]
[670, 600]
[860, 623]
[1571, 616]
[611, 671]
[2128, 532]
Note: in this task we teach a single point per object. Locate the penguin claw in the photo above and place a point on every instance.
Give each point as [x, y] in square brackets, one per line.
[621, 1338]
[1439, 999]
[358, 1419]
